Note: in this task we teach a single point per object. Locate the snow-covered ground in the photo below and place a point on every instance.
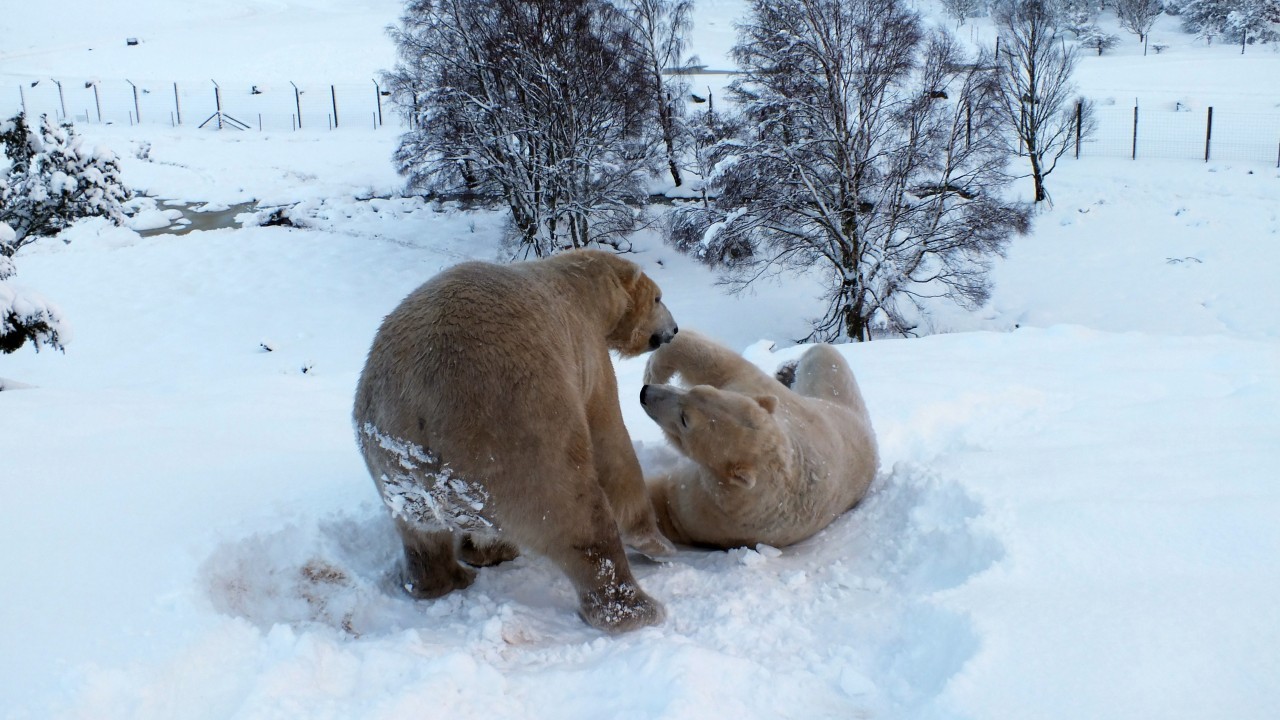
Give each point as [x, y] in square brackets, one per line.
[1077, 514]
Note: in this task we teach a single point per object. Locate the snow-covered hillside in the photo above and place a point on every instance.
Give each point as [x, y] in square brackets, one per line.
[1077, 514]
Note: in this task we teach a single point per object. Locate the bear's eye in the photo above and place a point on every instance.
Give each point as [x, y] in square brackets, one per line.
[657, 300]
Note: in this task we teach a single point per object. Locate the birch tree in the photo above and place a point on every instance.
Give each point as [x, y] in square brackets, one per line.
[872, 153]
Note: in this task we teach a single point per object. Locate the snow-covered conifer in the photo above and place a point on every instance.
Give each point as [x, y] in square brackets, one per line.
[51, 181]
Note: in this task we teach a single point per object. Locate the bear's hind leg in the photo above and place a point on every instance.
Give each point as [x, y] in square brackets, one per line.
[431, 567]
[483, 551]
[574, 527]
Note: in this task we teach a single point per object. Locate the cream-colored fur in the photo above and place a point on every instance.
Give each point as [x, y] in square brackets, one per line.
[488, 416]
[764, 463]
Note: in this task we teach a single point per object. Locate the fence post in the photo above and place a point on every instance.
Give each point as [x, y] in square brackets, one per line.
[259, 122]
[177, 107]
[1134, 156]
[217, 101]
[137, 112]
[1208, 134]
[377, 93]
[61, 100]
[297, 99]
[22, 95]
[1079, 125]
[334, 94]
[97, 103]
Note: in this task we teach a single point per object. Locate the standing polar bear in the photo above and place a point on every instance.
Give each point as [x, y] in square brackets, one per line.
[488, 416]
[765, 463]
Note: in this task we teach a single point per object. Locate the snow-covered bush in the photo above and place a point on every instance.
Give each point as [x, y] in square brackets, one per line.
[24, 317]
[51, 180]
[1095, 38]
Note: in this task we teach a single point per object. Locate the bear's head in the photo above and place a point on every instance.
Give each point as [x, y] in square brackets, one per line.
[735, 436]
[646, 323]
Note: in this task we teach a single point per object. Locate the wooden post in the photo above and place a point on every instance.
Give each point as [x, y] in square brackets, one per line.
[1079, 125]
[137, 112]
[61, 100]
[97, 103]
[177, 107]
[217, 101]
[1208, 134]
[297, 99]
[377, 94]
[1134, 156]
[334, 94]
[259, 122]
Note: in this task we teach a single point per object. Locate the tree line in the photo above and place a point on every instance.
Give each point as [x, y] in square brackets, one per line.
[859, 142]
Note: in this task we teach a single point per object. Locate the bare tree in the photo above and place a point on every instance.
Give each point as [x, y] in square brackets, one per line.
[530, 102]
[1037, 97]
[1137, 16]
[661, 28]
[962, 10]
[871, 152]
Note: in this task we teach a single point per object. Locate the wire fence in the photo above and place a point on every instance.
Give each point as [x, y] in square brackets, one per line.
[1205, 134]
[226, 106]
[1134, 132]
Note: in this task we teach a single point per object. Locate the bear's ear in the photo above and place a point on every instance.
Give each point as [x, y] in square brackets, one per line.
[768, 402]
[630, 275]
[740, 476]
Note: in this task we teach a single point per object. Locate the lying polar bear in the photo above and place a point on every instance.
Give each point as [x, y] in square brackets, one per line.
[764, 463]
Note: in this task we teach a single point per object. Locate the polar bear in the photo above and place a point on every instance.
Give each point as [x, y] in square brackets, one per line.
[488, 416]
[764, 463]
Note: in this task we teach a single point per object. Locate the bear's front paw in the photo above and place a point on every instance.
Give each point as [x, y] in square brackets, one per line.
[652, 545]
[621, 608]
[429, 584]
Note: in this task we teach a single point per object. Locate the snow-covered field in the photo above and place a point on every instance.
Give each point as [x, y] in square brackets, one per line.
[1077, 514]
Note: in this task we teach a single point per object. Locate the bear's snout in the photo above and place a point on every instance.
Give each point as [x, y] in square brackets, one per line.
[663, 337]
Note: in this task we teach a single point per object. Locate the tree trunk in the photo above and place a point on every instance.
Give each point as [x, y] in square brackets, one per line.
[667, 115]
[855, 325]
[1037, 176]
